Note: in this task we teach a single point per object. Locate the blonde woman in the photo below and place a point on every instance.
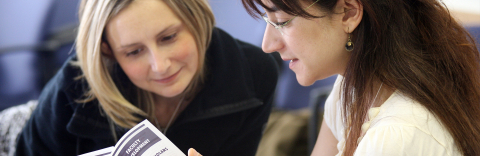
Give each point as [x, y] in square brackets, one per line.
[160, 60]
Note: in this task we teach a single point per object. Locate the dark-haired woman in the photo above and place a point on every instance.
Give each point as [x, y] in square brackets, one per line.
[409, 74]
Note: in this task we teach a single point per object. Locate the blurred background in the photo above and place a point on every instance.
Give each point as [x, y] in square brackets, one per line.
[36, 36]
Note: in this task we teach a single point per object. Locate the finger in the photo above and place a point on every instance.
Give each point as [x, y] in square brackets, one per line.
[193, 152]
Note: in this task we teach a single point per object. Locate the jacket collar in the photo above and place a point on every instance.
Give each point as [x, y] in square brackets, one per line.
[229, 86]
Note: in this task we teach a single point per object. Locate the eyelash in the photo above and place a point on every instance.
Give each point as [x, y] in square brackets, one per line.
[169, 38]
[164, 39]
[135, 52]
[280, 23]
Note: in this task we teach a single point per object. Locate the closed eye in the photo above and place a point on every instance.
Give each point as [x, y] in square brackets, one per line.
[281, 23]
[135, 52]
[169, 38]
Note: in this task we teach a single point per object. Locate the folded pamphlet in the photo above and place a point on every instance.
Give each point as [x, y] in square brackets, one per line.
[142, 140]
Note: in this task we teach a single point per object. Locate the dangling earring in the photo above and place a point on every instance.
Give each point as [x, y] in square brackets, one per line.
[349, 45]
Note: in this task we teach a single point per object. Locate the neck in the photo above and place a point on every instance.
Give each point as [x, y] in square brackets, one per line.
[167, 109]
[383, 94]
[167, 101]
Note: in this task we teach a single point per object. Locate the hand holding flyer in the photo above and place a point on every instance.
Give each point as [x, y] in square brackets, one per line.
[143, 139]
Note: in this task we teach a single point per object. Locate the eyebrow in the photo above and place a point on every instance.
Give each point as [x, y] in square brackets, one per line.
[169, 28]
[272, 9]
[159, 34]
[126, 46]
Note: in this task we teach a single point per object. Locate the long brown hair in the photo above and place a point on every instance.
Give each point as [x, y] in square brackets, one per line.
[415, 47]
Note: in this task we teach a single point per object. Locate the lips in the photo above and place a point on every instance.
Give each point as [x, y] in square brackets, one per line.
[292, 63]
[168, 79]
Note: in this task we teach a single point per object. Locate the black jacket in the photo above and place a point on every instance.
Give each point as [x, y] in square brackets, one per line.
[226, 117]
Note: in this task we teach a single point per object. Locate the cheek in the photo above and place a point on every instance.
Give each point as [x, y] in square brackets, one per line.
[135, 71]
[186, 52]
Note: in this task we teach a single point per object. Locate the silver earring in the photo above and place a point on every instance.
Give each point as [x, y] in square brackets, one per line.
[349, 45]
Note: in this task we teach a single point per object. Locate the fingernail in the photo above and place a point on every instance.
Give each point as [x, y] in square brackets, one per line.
[191, 151]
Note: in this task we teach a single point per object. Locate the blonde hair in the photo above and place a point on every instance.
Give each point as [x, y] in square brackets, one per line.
[97, 68]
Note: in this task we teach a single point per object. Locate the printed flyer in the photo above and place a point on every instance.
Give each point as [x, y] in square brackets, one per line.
[142, 140]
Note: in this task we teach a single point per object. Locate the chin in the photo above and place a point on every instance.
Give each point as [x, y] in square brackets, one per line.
[170, 93]
[304, 82]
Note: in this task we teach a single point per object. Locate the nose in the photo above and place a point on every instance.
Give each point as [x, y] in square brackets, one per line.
[160, 62]
[272, 42]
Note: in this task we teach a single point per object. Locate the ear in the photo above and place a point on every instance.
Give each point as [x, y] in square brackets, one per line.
[106, 50]
[353, 14]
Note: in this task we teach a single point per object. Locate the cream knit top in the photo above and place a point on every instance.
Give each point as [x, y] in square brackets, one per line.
[399, 127]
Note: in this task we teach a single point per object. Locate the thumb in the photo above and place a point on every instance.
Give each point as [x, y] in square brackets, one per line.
[193, 152]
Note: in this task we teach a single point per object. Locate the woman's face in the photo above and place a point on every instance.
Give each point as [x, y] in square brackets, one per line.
[153, 47]
[315, 47]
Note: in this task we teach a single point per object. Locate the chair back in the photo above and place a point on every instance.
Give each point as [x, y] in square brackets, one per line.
[35, 39]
